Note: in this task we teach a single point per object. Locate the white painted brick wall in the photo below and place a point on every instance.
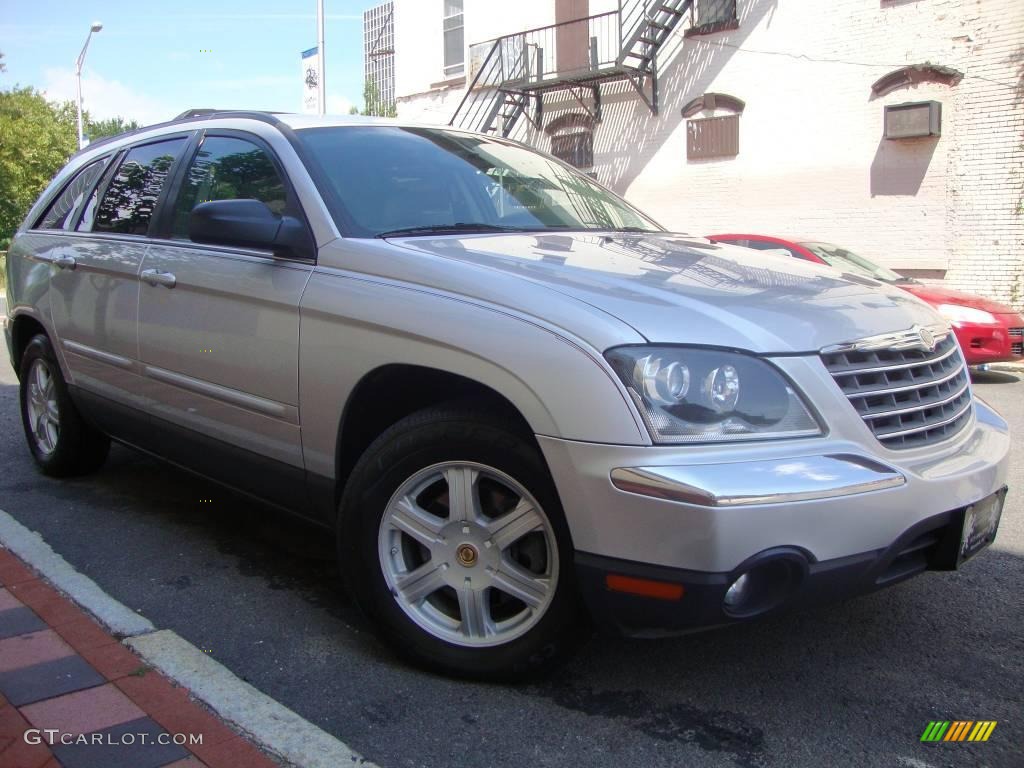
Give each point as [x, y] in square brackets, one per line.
[812, 160]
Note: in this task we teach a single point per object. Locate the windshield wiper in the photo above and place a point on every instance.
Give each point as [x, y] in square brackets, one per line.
[440, 229]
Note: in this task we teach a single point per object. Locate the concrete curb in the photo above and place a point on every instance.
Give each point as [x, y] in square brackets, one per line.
[30, 547]
[265, 721]
[1007, 367]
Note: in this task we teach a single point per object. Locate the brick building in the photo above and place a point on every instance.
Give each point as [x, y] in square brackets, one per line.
[757, 115]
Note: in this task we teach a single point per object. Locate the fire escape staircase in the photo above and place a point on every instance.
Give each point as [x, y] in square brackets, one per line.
[516, 70]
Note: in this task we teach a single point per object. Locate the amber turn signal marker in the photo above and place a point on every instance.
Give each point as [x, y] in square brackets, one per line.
[660, 590]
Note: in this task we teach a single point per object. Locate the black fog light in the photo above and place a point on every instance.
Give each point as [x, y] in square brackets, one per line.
[761, 588]
[738, 593]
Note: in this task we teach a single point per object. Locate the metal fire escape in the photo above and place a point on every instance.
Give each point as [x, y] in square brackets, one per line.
[514, 72]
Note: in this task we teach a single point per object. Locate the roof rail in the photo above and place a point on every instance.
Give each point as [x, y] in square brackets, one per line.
[195, 113]
[189, 115]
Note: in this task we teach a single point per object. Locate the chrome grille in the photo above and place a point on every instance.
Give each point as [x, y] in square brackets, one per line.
[908, 395]
[1016, 341]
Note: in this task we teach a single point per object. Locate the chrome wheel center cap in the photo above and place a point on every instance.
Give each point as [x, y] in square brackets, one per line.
[466, 555]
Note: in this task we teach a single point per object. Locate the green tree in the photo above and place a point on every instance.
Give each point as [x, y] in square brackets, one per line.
[98, 129]
[36, 139]
[373, 104]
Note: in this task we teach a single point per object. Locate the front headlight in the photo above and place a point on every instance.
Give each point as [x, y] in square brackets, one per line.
[957, 313]
[689, 395]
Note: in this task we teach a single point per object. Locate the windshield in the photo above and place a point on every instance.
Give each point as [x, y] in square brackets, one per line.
[402, 180]
[840, 258]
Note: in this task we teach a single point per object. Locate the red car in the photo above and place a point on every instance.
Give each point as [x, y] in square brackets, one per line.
[989, 332]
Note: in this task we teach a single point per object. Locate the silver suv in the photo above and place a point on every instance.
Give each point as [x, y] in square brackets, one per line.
[521, 406]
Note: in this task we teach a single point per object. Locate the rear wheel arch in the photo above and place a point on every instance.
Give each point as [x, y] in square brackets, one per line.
[23, 329]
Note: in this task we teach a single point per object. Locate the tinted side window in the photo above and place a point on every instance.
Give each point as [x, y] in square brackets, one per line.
[227, 168]
[131, 196]
[71, 197]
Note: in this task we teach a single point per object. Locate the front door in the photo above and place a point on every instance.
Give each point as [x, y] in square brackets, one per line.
[219, 331]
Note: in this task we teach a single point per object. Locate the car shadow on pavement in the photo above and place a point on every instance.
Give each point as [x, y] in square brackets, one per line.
[202, 559]
[994, 377]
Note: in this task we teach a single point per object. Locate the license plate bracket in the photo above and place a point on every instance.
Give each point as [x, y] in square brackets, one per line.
[980, 523]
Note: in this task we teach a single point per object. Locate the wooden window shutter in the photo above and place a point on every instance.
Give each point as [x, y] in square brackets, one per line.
[713, 137]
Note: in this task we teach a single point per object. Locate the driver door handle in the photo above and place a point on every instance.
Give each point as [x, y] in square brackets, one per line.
[158, 277]
[65, 262]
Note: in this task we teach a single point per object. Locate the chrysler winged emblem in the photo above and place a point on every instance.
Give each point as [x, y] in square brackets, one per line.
[927, 338]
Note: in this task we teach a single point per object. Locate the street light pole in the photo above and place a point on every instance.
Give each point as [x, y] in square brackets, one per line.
[321, 90]
[96, 27]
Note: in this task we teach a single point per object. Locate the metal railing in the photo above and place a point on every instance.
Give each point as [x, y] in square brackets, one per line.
[580, 50]
[560, 51]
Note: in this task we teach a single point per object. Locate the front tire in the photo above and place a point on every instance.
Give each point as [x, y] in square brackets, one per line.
[61, 442]
[453, 542]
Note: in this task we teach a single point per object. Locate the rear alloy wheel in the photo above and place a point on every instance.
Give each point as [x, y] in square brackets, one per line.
[60, 440]
[468, 554]
[43, 410]
[453, 542]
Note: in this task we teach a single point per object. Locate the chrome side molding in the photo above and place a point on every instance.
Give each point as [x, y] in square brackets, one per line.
[771, 481]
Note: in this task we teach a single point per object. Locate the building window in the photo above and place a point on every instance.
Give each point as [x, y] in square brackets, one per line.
[572, 140]
[714, 134]
[454, 39]
[713, 137]
[576, 149]
[713, 16]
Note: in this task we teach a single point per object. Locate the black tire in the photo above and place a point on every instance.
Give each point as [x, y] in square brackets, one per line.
[78, 448]
[424, 439]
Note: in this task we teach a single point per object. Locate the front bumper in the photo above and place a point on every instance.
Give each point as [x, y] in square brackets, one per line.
[701, 602]
[842, 508]
[998, 343]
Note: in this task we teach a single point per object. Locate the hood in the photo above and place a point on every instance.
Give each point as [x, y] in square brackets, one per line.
[682, 289]
[936, 295]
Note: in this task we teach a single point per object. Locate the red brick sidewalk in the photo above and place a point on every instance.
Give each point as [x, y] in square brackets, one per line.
[60, 670]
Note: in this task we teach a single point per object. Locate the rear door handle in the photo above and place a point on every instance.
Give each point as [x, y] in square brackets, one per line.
[159, 277]
[65, 262]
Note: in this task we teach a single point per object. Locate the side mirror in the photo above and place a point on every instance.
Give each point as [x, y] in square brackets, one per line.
[249, 224]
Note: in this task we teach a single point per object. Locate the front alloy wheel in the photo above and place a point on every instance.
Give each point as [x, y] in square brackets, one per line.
[452, 540]
[468, 554]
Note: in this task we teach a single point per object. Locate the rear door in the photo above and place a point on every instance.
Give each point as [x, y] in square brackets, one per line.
[94, 288]
[219, 328]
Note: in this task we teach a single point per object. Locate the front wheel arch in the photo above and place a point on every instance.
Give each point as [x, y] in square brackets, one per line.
[387, 394]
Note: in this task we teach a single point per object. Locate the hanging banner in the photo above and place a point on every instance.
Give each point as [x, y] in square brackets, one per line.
[310, 81]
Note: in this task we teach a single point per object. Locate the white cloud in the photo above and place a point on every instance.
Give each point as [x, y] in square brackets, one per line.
[338, 105]
[247, 83]
[103, 98]
[194, 17]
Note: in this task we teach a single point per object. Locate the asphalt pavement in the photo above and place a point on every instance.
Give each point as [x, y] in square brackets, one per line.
[852, 684]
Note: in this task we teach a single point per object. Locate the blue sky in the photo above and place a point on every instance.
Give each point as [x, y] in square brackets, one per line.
[149, 61]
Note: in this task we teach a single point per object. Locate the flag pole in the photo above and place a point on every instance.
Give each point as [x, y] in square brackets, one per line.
[323, 59]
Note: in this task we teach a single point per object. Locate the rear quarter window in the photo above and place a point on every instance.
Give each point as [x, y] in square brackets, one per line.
[71, 197]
